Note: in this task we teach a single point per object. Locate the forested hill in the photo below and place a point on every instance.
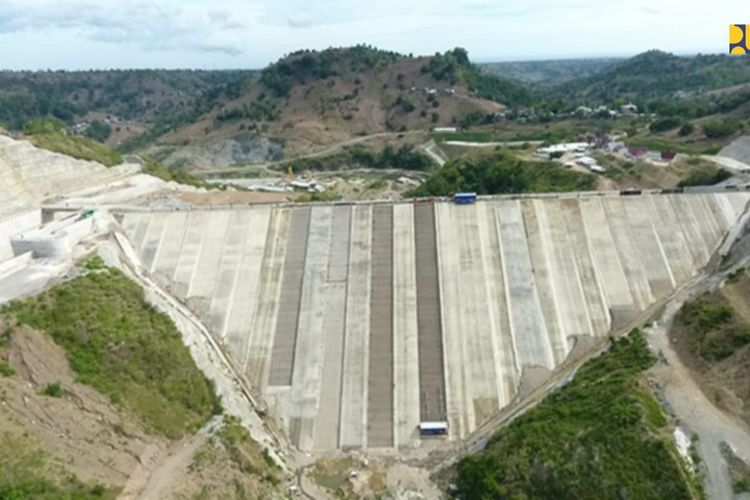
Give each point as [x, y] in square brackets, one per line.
[656, 74]
[146, 99]
[548, 73]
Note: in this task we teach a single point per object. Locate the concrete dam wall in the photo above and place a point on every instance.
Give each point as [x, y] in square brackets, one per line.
[357, 322]
[29, 175]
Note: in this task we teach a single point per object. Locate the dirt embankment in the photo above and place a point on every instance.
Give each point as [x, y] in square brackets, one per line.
[712, 337]
[80, 433]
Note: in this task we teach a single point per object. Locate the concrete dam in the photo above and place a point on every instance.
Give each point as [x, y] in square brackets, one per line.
[356, 322]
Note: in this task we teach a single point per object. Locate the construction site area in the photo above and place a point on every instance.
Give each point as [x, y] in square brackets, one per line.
[374, 326]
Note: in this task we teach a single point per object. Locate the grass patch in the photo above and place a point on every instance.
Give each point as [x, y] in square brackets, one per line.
[590, 439]
[6, 370]
[25, 473]
[153, 167]
[713, 326]
[53, 390]
[51, 135]
[705, 176]
[661, 144]
[119, 344]
[741, 486]
[316, 196]
[502, 173]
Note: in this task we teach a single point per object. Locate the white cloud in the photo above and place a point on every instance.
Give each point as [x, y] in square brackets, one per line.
[253, 32]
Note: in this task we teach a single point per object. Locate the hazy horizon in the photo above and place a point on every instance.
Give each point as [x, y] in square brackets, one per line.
[242, 34]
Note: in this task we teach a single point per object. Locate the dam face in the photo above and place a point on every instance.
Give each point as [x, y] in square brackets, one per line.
[355, 323]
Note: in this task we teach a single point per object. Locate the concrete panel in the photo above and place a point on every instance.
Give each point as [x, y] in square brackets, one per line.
[191, 248]
[357, 333]
[309, 354]
[540, 251]
[460, 409]
[503, 347]
[244, 295]
[671, 237]
[593, 292]
[204, 278]
[696, 245]
[649, 248]
[285, 337]
[605, 258]
[329, 409]
[380, 381]
[526, 319]
[405, 328]
[152, 241]
[474, 308]
[171, 245]
[635, 273]
[574, 319]
[226, 277]
[429, 318]
[259, 345]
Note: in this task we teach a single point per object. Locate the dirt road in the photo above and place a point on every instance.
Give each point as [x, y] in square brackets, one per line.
[323, 152]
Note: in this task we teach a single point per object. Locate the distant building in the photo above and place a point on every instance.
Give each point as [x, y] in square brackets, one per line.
[557, 150]
[445, 130]
[629, 109]
[583, 110]
[637, 151]
[668, 155]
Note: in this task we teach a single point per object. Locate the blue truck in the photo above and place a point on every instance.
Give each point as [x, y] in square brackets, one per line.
[464, 198]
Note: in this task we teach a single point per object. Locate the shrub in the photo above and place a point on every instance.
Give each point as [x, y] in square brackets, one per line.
[686, 129]
[664, 124]
[53, 390]
[6, 370]
[719, 129]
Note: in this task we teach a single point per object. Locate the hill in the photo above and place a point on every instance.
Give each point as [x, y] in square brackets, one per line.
[121, 104]
[548, 73]
[311, 98]
[655, 74]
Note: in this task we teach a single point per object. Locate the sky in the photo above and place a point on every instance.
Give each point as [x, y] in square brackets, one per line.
[212, 34]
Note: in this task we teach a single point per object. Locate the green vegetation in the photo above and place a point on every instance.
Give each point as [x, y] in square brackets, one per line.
[705, 176]
[686, 129]
[659, 143]
[6, 370]
[153, 167]
[657, 74]
[358, 156]
[502, 173]
[98, 131]
[715, 330]
[53, 390]
[51, 135]
[545, 74]
[119, 344]
[25, 474]
[594, 438]
[316, 197]
[262, 109]
[717, 129]
[453, 66]
[128, 94]
[302, 66]
[664, 124]
[741, 486]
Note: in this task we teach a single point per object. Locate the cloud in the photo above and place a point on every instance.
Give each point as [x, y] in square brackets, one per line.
[152, 25]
